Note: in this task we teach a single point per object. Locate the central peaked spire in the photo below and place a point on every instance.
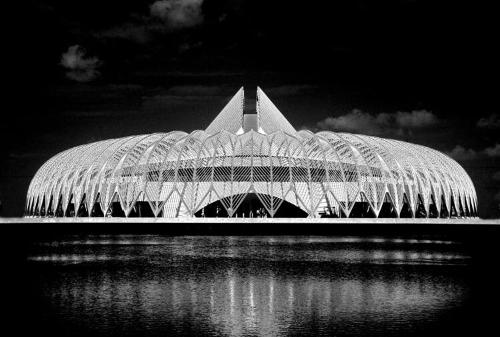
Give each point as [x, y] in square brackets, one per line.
[230, 117]
[270, 118]
[238, 116]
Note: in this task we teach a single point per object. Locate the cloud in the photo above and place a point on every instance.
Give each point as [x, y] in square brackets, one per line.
[415, 119]
[165, 16]
[383, 124]
[496, 175]
[461, 153]
[493, 151]
[356, 120]
[490, 122]
[139, 33]
[178, 13]
[79, 66]
[188, 46]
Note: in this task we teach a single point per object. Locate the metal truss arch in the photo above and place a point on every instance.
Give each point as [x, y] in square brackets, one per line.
[178, 174]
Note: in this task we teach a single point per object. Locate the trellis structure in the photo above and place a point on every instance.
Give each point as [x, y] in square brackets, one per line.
[177, 174]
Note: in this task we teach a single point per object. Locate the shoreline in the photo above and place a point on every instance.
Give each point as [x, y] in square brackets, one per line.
[465, 228]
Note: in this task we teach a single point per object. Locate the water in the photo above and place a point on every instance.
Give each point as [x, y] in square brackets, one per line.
[122, 285]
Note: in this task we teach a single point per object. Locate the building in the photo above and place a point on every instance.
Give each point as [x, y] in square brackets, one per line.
[253, 165]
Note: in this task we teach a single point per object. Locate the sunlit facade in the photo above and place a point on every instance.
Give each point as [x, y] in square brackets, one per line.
[251, 165]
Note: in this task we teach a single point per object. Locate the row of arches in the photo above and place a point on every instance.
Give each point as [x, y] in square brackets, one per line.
[163, 168]
[254, 205]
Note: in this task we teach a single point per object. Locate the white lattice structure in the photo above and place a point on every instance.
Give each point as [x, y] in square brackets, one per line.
[177, 174]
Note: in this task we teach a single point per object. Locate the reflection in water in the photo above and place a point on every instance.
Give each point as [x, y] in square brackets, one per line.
[238, 286]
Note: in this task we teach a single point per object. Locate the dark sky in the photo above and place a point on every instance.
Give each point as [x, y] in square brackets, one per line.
[86, 70]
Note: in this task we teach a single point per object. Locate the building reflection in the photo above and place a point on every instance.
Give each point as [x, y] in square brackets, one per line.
[238, 296]
[238, 304]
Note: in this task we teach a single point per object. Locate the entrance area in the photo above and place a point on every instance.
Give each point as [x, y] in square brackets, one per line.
[251, 207]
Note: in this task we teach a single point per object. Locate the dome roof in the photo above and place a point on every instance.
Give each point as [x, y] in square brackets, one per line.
[177, 174]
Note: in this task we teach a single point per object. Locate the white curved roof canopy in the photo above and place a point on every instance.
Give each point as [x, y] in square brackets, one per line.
[177, 174]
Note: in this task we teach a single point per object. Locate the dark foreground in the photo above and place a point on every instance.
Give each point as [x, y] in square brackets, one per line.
[362, 282]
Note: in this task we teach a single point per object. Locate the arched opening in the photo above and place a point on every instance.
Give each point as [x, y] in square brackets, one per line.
[475, 212]
[406, 211]
[433, 211]
[115, 209]
[289, 210]
[387, 210]
[50, 211]
[444, 211]
[141, 209]
[96, 210]
[420, 210]
[362, 209]
[453, 208]
[331, 211]
[42, 208]
[59, 211]
[461, 210]
[250, 207]
[82, 210]
[31, 205]
[70, 209]
[36, 210]
[466, 205]
[213, 210]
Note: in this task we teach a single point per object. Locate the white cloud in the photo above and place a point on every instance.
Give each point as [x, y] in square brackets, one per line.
[139, 33]
[80, 67]
[415, 119]
[356, 120]
[493, 151]
[461, 153]
[178, 13]
[490, 122]
[398, 123]
[165, 16]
